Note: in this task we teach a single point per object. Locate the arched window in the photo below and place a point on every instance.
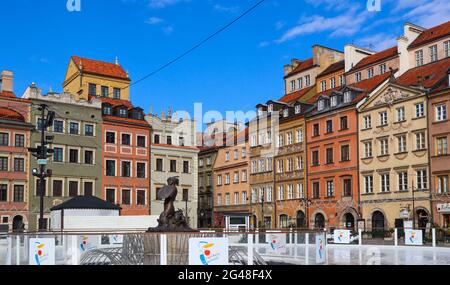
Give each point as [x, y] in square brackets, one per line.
[319, 221]
[377, 224]
[300, 219]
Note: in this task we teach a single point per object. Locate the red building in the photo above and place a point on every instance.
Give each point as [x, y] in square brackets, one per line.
[14, 140]
[332, 155]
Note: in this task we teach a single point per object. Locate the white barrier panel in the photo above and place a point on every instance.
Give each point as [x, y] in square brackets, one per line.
[342, 236]
[277, 242]
[320, 249]
[208, 251]
[42, 251]
[413, 237]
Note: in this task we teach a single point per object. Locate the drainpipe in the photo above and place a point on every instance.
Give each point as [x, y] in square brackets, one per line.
[149, 170]
[429, 163]
[357, 164]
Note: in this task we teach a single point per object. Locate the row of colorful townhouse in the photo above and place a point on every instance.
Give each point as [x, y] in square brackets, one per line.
[359, 140]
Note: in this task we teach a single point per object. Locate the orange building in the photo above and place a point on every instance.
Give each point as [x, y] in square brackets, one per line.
[332, 155]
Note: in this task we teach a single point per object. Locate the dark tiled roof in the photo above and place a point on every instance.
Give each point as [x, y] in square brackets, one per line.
[431, 34]
[85, 202]
[100, 67]
[429, 76]
[377, 57]
[333, 68]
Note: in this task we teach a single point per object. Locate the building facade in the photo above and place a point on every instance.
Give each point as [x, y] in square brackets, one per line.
[14, 158]
[174, 153]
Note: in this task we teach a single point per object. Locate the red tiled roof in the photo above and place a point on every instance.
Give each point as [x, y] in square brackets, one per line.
[8, 94]
[377, 57]
[430, 74]
[431, 34]
[328, 92]
[10, 115]
[370, 84]
[304, 65]
[333, 68]
[117, 102]
[100, 67]
[294, 96]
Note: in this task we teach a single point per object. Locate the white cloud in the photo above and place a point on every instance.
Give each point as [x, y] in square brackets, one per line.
[429, 13]
[168, 30]
[279, 25]
[163, 3]
[343, 25]
[154, 21]
[226, 9]
[337, 5]
[378, 42]
[263, 44]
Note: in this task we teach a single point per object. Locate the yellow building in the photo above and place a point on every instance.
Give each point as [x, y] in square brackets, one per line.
[86, 77]
[393, 151]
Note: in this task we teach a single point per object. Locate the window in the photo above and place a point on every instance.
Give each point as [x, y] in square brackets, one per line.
[208, 160]
[140, 170]
[347, 97]
[88, 188]
[219, 200]
[321, 105]
[110, 137]
[4, 139]
[290, 138]
[368, 150]
[269, 194]
[89, 157]
[329, 155]
[286, 113]
[107, 110]
[330, 188]
[447, 48]
[156, 139]
[370, 73]
[323, 85]
[299, 163]
[384, 147]
[420, 141]
[173, 166]
[126, 197]
[227, 199]
[123, 112]
[419, 58]
[227, 156]
[236, 198]
[141, 141]
[110, 168]
[433, 53]
[235, 154]
[73, 155]
[383, 119]
[347, 187]
[292, 85]
[19, 164]
[269, 164]
[333, 83]
[382, 68]
[280, 140]
[89, 130]
[254, 166]
[19, 191]
[403, 181]
[368, 184]
[73, 128]
[290, 192]
[126, 139]
[116, 93]
[262, 165]
[300, 191]
[19, 141]
[105, 91]
[281, 193]
[201, 162]
[111, 195]
[299, 136]
[367, 122]
[420, 110]
[385, 184]
[3, 192]
[290, 164]
[244, 152]
[126, 169]
[401, 114]
[315, 158]
[344, 123]
[270, 108]
[169, 140]
[442, 146]
[298, 109]
[140, 198]
[334, 101]
[186, 167]
[316, 130]
[401, 143]
[92, 89]
[443, 184]
[441, 112]
[300, 83]
[422, 181]
[159, 164]
[280, 168]
[3, 164]
[58, 154]
[307, 80]
[236, 177]
[329, 126]
[316, 190]
[219, 180]
[244, 198]
[341, 80]
[40, 124]
[358, 76]
[244, 175]
[73, 188]
[345, 153]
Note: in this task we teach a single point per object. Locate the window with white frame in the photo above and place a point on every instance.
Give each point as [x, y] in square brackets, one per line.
[347, 97]
[254, 195]
[333, 102]
[244, 152]
[384, 146]
[419, 58]
[441, 112]
[443, 184]
[244, 175]
[254, 141]
[383, 118]
[299, 136]
[403, 181]
[286, 113]
[290, 138]
[420, 110]
[244, 198]
[307, 80]
[300, 191]
[341, 80]
[368, 150]
[298, 109]
[227, 199]
[401, 114]
[269, 137]
[269, 194]
[261, 195]
[433, 53]
[280, 166]
[447, 48]
[370, 73]
[262, 138]
[227, 156]
[382, 68]
[330, 188]
[280, 193]
[219, 199]
[442, 146]
[422, 180]
[236, 177]
[420, 141]
[262, 165]
[227, 178]
[358, 76]
[290, 192]
[368, 184]
[300, 83]
[269, 164]
[219, 180]
[299, 163]
[333, 83]
[323, 85]
[385, 182]
[292, 85]
[290, 165]
[236, 198]
[254, 167]
[236, 154]
[321, 105]
[367, 122]
[280, 140]
[401, 140]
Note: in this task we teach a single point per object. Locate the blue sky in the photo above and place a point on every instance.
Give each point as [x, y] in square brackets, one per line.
[236, 70]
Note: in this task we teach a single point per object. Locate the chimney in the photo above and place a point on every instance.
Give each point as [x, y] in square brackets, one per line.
[117, 60]
[6, 79]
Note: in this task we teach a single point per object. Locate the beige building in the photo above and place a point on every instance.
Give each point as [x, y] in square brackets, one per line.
[393, 151]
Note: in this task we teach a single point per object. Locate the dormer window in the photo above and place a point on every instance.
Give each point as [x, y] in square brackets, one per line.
[285, 113]
[347, 97]
[298, 109]
[107, 110]
[321, 105]
[123, 112]
[334, 101]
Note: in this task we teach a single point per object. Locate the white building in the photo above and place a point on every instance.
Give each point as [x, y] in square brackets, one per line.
[174, 153]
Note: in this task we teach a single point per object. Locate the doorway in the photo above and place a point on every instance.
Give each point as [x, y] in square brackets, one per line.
[378, 224]
[349, 221]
